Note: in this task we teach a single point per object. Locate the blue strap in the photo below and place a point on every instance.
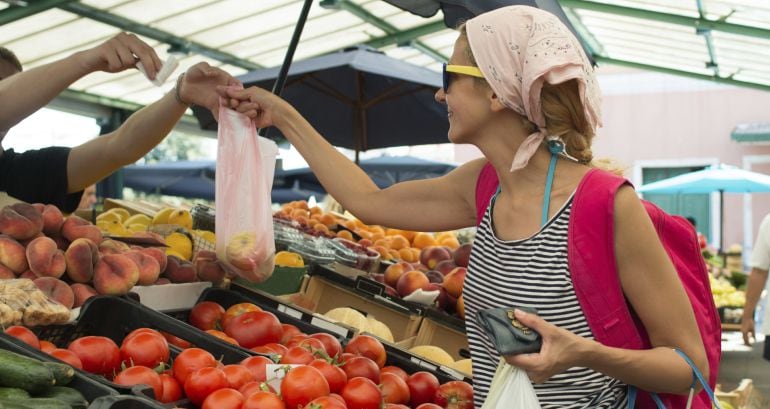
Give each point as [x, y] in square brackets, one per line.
[548, 186]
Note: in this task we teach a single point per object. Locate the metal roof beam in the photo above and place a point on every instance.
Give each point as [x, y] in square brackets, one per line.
[13, 13]
[699, 23]
[94, 105]
[123, 23]
[406, 36]
[713, 78]
[383, 25]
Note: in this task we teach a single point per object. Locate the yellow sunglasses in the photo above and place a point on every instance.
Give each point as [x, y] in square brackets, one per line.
[459, 69]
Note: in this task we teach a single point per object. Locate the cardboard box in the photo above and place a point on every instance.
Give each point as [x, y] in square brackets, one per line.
[444, 335]
[167, 297]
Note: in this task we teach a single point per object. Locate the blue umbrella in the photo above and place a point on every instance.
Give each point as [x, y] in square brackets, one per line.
[717, 178]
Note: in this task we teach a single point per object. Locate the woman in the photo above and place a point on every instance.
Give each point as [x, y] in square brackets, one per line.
[499, 97]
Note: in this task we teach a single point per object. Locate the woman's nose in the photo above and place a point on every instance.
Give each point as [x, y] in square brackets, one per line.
[440, 96]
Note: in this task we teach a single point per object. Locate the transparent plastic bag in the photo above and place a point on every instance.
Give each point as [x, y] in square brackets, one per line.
[244, 222]
[22, 302]
[511, 388]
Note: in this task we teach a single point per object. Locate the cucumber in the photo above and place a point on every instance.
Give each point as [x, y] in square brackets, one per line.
[13, 393]
[71, 396]
[19, 371]
[34, 403]
[62, 373]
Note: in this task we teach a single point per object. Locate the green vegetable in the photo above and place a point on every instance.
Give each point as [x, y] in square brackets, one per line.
[71, 396]
[18, 371]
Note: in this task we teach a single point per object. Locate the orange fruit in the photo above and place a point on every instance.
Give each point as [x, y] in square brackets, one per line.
[422, 240]
[398, 242]
[406, 255]
[344, 234]
[316, 210]
[450, 242]
[329, 220]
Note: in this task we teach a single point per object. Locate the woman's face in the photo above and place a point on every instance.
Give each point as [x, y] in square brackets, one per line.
[467, 102]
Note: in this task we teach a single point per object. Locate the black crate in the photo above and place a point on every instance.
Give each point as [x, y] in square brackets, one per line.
[412, 363]
[125, 402]
[90, 388]
[204, 217]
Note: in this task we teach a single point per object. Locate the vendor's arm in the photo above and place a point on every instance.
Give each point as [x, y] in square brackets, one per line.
[26, 92]
[99, 157]
[651, 285]
[438, 204]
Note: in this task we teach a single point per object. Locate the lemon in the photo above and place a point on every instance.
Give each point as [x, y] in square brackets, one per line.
[162, 216]
[181, 217]
[138, 219]
[181, 244]
[108, 216]
[121, 212]
[288, 259]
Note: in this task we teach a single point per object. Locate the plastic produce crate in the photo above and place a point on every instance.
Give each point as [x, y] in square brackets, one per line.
[284, 280]
[124, 402]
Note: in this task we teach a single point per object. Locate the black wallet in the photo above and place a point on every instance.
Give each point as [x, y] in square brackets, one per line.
[509, 336]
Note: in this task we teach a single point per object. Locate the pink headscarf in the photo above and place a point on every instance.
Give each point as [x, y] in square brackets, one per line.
[518, 48]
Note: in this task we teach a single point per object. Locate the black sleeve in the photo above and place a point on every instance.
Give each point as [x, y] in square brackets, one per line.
[38, 176]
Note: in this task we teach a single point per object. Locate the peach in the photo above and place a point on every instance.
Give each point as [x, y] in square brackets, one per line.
[208, 268]
[115, 274]
[180, 271]
[75, 227]
[445, 301]
[56, 290]
[158, 254]
[411, 281]
[241, 251]
[454, 281]
[445, 266]
[62, 243]
[432, 255]
[110, 246]
[20, 221]
[12, 255]
[45, 259]
[52, 220]
[6, 273]
[435, 276]
[461, 306]
[394, 271]
[81, 258]
[82, 293]
[149, 269]
[25, 242]
[462, 255]
[28, 275]
[163, 280]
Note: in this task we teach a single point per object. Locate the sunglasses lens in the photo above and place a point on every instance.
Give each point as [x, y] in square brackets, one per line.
[446, 79]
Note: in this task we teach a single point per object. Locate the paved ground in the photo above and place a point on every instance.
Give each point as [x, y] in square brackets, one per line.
[739, 362]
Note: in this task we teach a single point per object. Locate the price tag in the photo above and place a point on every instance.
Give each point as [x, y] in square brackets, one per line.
[290, 311]
[322, 323]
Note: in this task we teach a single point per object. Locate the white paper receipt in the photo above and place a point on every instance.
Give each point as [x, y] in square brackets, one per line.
[165, 71]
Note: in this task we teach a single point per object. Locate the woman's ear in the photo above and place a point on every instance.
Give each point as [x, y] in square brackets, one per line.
[495, 104]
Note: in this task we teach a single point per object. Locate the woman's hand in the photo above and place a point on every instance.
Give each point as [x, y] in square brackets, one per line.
[560, 349]
[199, 86]
[264, 107]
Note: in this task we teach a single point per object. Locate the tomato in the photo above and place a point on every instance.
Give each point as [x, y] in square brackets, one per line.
[99, 355]
[297, 355]
[257, 366]
[46, 346]
[395, 406]
[327, 402]
[221, 335]
[254, 387]
[362, 393]
[361, 366]
[335, 376]
[237, 375]
[67, 356]
[236, 310]
[395, 371]
[394, 389]
[189, 361]
[254, 328]
[172, 390]
[331, 344]
[315, 346]
[144, 349]
[369, 347]
[24, 334]
[227, 398]
[288, 332]
[263, 400]
[173, 340]
[203, 382]
[140, 375]
[422, 387]
[142, 331]
[207, 315]
[429, 406]
[454, 395]
[272, 348]
[303, 384]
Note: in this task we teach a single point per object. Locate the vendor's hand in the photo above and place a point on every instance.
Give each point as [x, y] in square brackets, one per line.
[199, 86]
[119, 53]
[261, 105]
[557, 354]
[747, 328]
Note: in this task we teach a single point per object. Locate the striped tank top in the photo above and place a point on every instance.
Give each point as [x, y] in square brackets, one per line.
[532, 272]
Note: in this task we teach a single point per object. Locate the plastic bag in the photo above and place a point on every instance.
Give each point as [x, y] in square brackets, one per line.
[510, 388]
[244, 179]
[22, 302]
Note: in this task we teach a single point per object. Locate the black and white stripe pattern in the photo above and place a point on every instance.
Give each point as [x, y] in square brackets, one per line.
[533, 273]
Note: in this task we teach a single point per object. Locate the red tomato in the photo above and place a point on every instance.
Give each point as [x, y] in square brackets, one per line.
[254, 387]
[395, 406]
[395, 371]
[207, 315]
[429, 406]
[394, 389]
[46, 346]
[144, 349]
[335, 376]
[142, 331]
[257, 366]
[24, 334]
[297, 355]
[204, 382]
[236, 310]
[369, 347]
[295, 340]
[172, 390]
[237, 375]
[263, 400]
[313, 345]
[303, 384]
[272, 348]
[221, 335]
[361, 366]
[332, 345]
[140, 375]
[254, 328]
[189, 361]
[226, 398]
[288, 332]
[173, 340]
[99, 355]
[67, 356]
[327, 402]
[362, 393]
[454, 395]
[422, 387]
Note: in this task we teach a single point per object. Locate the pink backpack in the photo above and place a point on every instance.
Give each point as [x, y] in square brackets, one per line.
[597, 285]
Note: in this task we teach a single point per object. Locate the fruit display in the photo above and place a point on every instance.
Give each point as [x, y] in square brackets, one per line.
[725, 294]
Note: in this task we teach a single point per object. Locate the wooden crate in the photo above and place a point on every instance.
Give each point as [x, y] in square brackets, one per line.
[745, 396]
